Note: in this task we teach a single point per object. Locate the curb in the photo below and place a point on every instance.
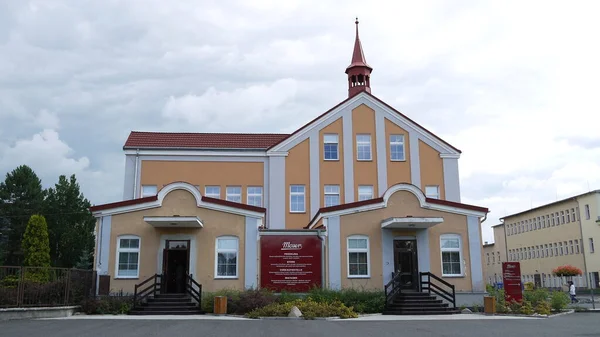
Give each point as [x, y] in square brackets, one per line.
[37, 312]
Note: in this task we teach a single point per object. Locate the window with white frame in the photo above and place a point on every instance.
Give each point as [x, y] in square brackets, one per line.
[358, 256]
[331, 146]
[255, 196]
[128, 256]
[212, 191]
[576, 246]
[571, 247]
[397, 152]
[149, 190]
[332, 195]
[587, 212]
[591, 245]
[226, 264]
[234, 193]
[297, 204]
[363, 147]
[451, 247]
[573, 214]
[432, 191]
[365, 192]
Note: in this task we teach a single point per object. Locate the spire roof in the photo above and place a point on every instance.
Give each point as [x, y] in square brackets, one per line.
[358, 56]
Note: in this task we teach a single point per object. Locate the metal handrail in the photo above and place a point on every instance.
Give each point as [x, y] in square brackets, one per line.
[428, 285]
[189, 288]
[139, 295]
[394, 288]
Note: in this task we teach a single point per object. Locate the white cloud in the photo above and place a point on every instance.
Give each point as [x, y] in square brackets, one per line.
[511, 83]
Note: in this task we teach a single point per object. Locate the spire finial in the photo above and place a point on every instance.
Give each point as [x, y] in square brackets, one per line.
[356, 22]
[359, 72]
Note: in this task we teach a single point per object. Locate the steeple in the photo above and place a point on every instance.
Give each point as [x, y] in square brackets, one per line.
[359, 72]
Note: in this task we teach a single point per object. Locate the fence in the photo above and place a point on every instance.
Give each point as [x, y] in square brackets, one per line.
[45, 286]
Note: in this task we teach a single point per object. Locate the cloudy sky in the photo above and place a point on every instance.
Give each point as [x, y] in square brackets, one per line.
[512, 84]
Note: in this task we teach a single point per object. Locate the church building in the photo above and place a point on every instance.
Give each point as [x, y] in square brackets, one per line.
[378, 192]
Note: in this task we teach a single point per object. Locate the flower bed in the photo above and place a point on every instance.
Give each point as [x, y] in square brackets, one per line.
[535, 302]
[308, 308]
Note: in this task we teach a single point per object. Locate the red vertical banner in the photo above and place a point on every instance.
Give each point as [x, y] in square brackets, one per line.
[511, 277]
[290, 262]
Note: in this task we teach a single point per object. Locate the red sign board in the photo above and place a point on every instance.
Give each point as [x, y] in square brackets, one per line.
[511, 277]
[290, 262]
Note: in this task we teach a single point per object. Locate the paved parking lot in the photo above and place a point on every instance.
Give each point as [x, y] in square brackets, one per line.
[577, 324]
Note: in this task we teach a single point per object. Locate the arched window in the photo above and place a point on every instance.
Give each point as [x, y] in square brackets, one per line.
[128, 256]
[358, 256]
[226, 257]
[451, 249]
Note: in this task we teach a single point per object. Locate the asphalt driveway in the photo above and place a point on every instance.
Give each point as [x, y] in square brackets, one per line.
[576, 324]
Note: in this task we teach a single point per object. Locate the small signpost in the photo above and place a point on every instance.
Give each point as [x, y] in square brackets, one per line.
[511, 279]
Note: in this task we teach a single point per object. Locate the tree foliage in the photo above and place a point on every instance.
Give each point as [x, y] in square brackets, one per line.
[21, 195]
[72, 225]
[36, 246]
[69, 222]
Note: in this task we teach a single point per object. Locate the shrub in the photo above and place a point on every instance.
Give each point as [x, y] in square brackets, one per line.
[370, 301]
[115, 305]
[36, 248]
[536, 296]
[559, 300]
[252, 299]
[543, 308]
[310, 309]
[208, 300]
[526, 308]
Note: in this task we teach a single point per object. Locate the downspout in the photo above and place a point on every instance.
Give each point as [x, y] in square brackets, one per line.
[135, 171]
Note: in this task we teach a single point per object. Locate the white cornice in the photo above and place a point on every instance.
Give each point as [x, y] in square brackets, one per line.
[178, 186]
[218, 153]
[386, 196]
[449, 155]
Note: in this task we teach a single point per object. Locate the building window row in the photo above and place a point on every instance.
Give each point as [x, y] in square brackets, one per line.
[358, 258]
[569, 247]
[364, 148]
[543, 221]
[495, 257]
[254, 194]
[331, 196]
[129, 254]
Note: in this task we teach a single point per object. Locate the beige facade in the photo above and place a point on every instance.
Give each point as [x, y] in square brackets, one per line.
[589, 206]
[553, 235]
[493, 255]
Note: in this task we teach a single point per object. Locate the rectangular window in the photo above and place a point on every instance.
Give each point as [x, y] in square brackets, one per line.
[451, 255]
[432, 192]
[576, 246]
[358, 256]
[571, 247]
[331, 146]
[255, 196]
[297, 204]
[573, 214]
[560, 245]
[212, 191]
[234, 193]
[332, 195]
[591, 245]
[562, 217]
[149, 190]
[498, 257]
[397, 148]
[587, 212]
[363, 147]
[227, 257]
[546, 247]
[568, 217]
[365, 192]
[555, 249]
[128, 257]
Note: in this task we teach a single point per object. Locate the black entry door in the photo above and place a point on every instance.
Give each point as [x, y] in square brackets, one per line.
[175, 267]
[405, 262]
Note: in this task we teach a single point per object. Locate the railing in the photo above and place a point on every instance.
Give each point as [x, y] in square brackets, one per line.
[392, 288]
[45, 286]
[196, 294]
[449, 295]
[141, 293]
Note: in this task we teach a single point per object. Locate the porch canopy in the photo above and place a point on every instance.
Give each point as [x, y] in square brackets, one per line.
[411, 222]
[174, 221]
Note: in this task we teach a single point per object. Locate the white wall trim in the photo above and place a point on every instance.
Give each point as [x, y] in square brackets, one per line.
[193, 152]
[382, 153]
[393, 189]
[178, 186]
[193, 251]
[348, 145]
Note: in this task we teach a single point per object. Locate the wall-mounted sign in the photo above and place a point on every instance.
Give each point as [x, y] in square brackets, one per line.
[511, 277]
[290, 262]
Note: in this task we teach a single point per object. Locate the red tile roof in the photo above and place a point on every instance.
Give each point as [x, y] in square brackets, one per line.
[138, 201]
[190, 140]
